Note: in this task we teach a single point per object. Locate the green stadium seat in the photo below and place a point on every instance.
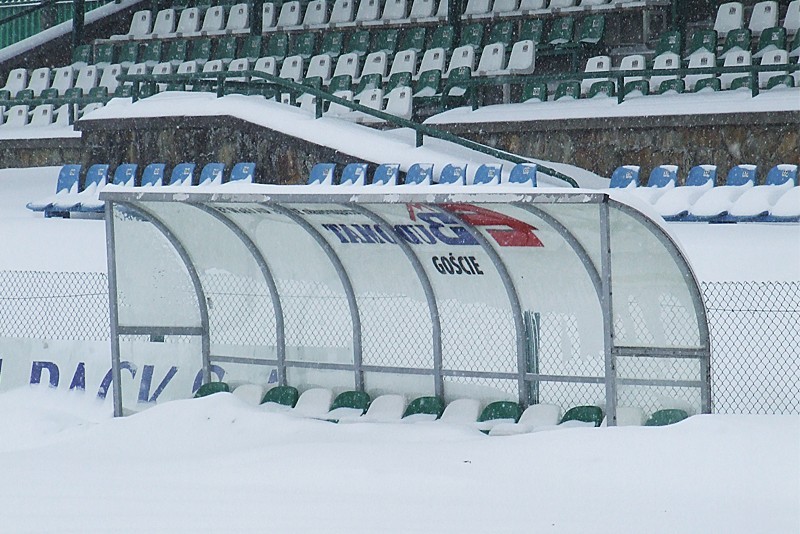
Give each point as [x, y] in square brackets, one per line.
[532, 30]
[794, 48]
[332, 43]
[104, 54]
[703, 40]
[128, 54]
[98, 94]
[358, 400]
[585, 414]
[602, 88]
[534, 92]
[738, 39]
[784, 80]
[73, 93]
[251, 48]
[413, 38]
[472, 35]
[636, 86]
[358, 43]
[25, 94]
[669, 41]
[386, 41]
[743, 82]
[211, 388]
[567, 89]
[278, 46]
[225, 49]
[178, 49]
[666, 417]
[284, 395]
[498, 412]
[679, 86]
[201, 50]
[455, 85]
[592, 28]
[422, 406]
[342, 82]
[443, 37]
[151, 52]
[398, 79]
[561, 31]
[771, 39]
[708, 83]
[501, 32]
[367, 82]
[48, 95]
[428, 84]
[303, 44]
[81, 56]
[5, 94]
[147, 90]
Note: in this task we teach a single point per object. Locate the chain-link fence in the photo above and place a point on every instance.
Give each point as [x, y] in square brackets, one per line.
[755, 346]
[755, 333]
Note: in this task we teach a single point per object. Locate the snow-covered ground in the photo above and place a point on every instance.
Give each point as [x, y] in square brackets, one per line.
[218, 465]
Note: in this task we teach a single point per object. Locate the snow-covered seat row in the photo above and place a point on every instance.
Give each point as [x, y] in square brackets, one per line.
[80, 194]
[192, 22]
[741, 199]
[356, 174]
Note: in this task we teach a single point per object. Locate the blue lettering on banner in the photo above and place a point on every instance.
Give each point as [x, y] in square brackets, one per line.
[102, 391]
[147, 379]
[79, 378]
[52, 370]
[198, 379]
[439, 228]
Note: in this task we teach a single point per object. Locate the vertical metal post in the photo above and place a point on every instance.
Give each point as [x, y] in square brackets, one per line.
[113, 310]
[608, 316]
[77, 22]
[427, 288]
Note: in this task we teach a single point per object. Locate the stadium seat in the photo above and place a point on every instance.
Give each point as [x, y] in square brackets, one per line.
[249, 393]
[700, 60]
[280, 398]
[212, 174]
[41, 115]
[399, 102]
[267, 65]
[139, 28]
[662, 179]
[211, 388]
[125, 174]
[358, 43]
[757, 201]
[182, 175]
[589, 415]
[348, 64]
[242, 173]
[787, 208]
[477, 7]
[527, 7]
[164, 24]
[303, 44]
[375, 63]
[340, 110]
[675, 203]
[534, 92]
[561, 31]
[735, 59]
[386, 174]
[592, 30]
[386, 41]
[559, 5]
[715, 203]
[453, 175]
[568, 90]
[730, 16]
[413, 39]
[535, 417]
[17, 116]
[463, 56]
[153, 175]
[81, 56]
[342, 12]
[151, 53]
[702, 41]
[424, 409]
[763, 17]
[268, 17]
[669, 41]
[625, 177]
[354, 174]
[292, 69]
[332, 43]
[456, 85]
[791, 22]
[488, 174]
[443, 37]
[666, 417]
[428, 84]
[316, 15]
[314, 402]
[771, 40]
[95, 179]
[666, 61]
[433, 59]
[66, 185]
[290, 15]
[405, 61]
[492, 59]
[421, 10]
[523, 174]
[103, 54]
[627, 416]
[128, 54]
[368, 11]
[225, 49]
[188, 23]
[778, 57]
[737, 41]
[394, 11]
[320, 66]
[461, 411]
[348, 405]
[177, 52]
[522, 59]
[38, 82]
[595, 64]
[370, 98]
[496, 413]
[385, 409]
[419, 174]
[16, 81]
[471, 36]
[322, 174]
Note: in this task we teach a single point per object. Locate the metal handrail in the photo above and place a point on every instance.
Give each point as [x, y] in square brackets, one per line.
[420, 130]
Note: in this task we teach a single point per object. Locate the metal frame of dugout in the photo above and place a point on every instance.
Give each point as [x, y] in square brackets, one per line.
[562, 297]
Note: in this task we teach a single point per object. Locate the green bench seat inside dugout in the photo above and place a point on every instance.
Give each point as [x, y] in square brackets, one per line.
[357, 400]
[425, 406]
[286, 395]
[667, 417]
[500, 410]
[211, 388]
[585, 414]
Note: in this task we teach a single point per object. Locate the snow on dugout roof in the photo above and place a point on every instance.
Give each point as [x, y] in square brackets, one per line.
[569, 298]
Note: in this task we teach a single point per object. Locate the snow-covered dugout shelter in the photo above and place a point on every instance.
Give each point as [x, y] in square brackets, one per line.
[557, 296]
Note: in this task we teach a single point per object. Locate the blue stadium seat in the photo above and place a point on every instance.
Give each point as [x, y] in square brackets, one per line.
[354, 174]
[715, 203]
[674, 204]
[153, 175]
[523, 174]
[420, 174]
[242, 173]
[125, 174]
[662, 179]
[182, 174]
[488, 174]
[211, 174]
[625, 176]
[96, 179]
[756, 203]
[787, 208]
[322, 174]
[386, 174]
[68, 180]
[453, 174]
